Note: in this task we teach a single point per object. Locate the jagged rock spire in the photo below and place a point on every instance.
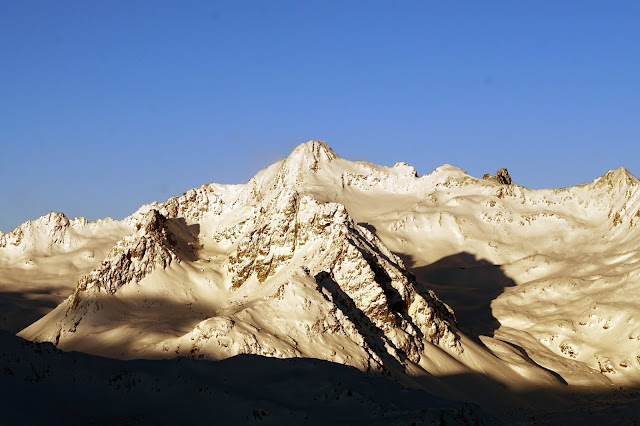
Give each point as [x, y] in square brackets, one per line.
[502, 177]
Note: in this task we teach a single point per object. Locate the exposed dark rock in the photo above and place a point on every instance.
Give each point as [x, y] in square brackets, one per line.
[132, 258]
[502, 176]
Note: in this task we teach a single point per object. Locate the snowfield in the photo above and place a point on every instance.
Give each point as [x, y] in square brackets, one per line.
[420, 278]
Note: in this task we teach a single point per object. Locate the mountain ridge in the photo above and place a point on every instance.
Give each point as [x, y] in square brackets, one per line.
[319, 151]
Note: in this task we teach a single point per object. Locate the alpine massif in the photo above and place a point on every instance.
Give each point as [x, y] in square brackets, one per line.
[444, 282]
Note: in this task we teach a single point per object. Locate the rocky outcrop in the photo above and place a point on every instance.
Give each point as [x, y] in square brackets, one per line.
[270, 241]
[13, 238]
[502, 177]
[152, 245]
[48, 231]
[193, 204]
[353, 270]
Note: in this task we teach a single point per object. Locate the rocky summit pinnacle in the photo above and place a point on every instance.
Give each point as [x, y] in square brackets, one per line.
[502, 177]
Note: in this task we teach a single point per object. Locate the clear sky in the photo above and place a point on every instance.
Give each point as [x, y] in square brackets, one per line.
[106, 105]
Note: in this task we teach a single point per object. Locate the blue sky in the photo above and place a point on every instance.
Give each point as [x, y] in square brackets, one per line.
[107, 105]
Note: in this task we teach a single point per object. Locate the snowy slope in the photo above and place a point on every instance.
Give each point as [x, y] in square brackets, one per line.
[321, 257]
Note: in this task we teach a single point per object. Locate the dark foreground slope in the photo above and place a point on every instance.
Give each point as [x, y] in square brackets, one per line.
[39, 383]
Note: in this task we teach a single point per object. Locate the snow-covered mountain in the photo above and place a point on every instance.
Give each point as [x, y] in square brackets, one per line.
[375, 267]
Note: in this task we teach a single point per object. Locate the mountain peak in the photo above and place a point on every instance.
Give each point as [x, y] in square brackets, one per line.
[153, 221]
[306, 158]
[311, 154]
[150, 246]
[616, 177]
[54, 217]
[50, 229]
